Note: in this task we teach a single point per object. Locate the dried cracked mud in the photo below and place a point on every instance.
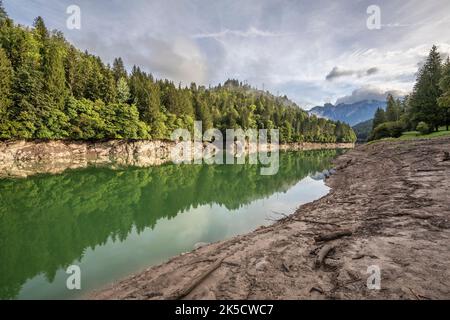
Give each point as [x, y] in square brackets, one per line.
[392, 201]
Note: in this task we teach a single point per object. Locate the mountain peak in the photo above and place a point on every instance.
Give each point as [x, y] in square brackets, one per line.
[351, 113]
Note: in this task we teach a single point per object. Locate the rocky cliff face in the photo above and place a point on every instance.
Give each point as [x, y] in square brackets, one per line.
[26, 158]
[23, 158]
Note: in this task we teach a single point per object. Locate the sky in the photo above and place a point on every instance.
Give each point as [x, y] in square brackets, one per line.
[314, 52]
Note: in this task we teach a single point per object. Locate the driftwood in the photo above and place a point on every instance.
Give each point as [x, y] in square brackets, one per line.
[419, 216]
[400, 214]
[345, 202]
[315, 222]
[318, 289]
[408, 214]
[281, 214]
[333, 235]
[181, 293]
[415, 294]
[360, 256]
[326, 249]
[285, 267]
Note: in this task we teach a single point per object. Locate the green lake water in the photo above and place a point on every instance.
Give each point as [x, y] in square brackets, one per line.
[112, 223]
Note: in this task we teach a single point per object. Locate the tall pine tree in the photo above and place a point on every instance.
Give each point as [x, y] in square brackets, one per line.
[6, 74]
[119, 69]
[54, 71]
[379, 118]
[444, 99]
[392, 109]
[123, 91]
[424, 105]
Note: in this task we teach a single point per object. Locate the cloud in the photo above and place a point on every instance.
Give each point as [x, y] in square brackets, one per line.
[251, 32]
[368, 93]
[372, 71]
[336, 72]
[401, 25]
[178, 59]
[287, 46]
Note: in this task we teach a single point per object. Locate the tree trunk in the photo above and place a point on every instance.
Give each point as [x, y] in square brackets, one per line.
[447, 118]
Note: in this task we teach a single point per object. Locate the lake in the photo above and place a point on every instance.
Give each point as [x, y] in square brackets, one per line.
[113, 222]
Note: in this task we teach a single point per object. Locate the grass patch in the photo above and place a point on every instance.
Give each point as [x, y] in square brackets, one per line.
[414, 135]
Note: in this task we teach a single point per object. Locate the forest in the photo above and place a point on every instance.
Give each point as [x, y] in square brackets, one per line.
[51, 90]
[425, 109]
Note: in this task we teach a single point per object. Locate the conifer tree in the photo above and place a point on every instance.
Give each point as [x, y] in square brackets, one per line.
[444, 99]
[379, 118]
[54, 72]
[424, 105]
[6, 74]
[123, 91]
[119, 69]
[392, 109]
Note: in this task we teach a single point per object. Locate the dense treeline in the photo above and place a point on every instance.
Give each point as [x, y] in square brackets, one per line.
[51, 90]
[363, 130]
[425, 109]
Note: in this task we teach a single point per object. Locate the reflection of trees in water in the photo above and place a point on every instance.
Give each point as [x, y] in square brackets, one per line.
[46, 222]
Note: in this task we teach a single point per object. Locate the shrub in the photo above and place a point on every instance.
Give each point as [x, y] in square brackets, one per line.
[423, 128]
[392, 129]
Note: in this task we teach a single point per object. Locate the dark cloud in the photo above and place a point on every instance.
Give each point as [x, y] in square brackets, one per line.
[372, 71]
[368, 93]
[336, 72]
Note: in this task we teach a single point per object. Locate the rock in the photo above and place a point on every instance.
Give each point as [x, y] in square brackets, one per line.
[326, 173]
[25, 158]
[198, 245]
[262, 265]
[318, 176]
[446, 156]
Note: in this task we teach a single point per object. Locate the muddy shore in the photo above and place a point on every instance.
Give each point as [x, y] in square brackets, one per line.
[392, 201]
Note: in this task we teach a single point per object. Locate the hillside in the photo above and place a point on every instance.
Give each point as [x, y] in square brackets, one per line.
[363, 129]
[51, 90]
[352, 114]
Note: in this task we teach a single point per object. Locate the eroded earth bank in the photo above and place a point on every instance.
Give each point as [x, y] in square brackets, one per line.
[21, 159]
[389, 207]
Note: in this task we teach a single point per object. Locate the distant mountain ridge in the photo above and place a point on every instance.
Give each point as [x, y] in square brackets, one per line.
[363, 129]
[351, 113]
